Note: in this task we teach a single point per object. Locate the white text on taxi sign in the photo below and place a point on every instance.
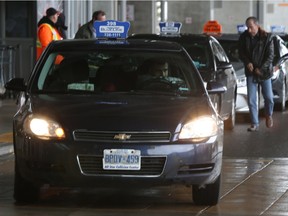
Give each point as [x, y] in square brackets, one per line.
[277, 29]
[212, 27]
[170, 27]
[111, 29]
[241, 28]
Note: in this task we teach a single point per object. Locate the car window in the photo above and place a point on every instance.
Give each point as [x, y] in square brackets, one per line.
[117, 71]
[218, 52]
[231, 49]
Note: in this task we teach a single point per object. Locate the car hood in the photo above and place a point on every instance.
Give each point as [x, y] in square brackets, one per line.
[120, 112]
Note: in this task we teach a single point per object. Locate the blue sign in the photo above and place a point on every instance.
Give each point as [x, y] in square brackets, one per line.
[241, 28]
[170, 27]
[277, 29]
[111, 29]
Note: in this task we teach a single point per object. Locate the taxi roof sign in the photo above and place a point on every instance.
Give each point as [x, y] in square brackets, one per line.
[241, 28]
[170, 27]
[212, 27]
[277, 28]
[111, 29]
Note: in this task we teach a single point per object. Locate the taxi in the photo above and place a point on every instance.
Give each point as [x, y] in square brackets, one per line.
[210, 59]
[116, 112]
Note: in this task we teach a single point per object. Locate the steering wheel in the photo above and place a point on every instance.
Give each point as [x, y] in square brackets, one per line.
[157, 84]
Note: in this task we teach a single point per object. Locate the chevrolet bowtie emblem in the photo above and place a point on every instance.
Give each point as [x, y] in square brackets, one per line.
[122, 136]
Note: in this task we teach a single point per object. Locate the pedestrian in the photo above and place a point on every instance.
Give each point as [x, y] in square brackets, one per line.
[256, 50]
[47, 30]
[62, 28]
[87, 30]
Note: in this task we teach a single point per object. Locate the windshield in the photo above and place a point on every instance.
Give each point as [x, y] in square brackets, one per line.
[117, 71]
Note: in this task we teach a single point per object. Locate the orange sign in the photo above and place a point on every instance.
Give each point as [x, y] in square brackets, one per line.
[212, 26]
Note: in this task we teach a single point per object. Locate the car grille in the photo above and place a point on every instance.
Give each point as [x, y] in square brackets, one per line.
[92, 165]
[120, 136]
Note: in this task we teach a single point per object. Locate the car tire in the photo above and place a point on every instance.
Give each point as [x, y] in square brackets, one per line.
[229, 124]
[207, 194]
[24, 191]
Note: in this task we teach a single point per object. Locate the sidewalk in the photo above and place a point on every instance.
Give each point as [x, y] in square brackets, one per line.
[6, 146]
[7, 110]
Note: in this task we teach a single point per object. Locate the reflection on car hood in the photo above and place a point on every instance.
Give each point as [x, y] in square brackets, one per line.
[125, 112]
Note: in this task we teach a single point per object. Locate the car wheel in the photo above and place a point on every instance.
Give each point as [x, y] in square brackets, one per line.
[24, 191]
[229, 124]
[207, 194]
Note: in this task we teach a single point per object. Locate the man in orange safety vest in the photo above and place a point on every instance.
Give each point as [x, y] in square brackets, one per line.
[47, 30]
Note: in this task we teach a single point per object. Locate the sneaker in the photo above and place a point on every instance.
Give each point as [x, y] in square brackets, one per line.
[269, 121]
[253, 128]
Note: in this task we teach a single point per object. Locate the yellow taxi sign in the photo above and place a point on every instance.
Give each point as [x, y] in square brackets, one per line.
[212, 27]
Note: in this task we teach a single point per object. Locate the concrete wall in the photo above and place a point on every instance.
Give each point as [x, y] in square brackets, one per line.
[276, 13]
[109, 6]
[143, 16]
[232, 13]
[192, 14]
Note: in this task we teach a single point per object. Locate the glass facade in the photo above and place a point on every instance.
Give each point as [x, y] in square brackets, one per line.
[18, 19]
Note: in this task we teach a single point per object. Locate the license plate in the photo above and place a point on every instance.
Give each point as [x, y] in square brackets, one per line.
[121, 159]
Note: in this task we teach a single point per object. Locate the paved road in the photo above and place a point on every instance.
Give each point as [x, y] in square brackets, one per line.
[7, 110]
[249, 187]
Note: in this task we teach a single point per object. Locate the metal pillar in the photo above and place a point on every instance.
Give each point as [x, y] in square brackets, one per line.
[2, 22]
[123, 10]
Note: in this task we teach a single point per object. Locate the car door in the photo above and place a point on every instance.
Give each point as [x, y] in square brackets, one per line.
[225, 74]
[279, 78]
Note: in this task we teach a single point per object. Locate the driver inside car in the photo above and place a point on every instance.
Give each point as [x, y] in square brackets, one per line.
[156, 72]
[159, 68]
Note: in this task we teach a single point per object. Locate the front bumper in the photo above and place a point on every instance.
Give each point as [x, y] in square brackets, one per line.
[79, 164]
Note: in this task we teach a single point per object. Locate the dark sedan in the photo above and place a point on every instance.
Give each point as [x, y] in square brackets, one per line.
[100, 118]
[213, 64]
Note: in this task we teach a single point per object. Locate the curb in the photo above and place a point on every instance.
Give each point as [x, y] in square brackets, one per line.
[6, 148]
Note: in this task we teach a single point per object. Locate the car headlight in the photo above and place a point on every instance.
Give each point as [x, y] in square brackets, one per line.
[43, 128]
[276, 72]
[241, 81]
[200, 128]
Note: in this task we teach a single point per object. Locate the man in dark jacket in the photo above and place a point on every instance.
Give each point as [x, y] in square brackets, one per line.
[62, 28]
[87, 30]
[257, 52]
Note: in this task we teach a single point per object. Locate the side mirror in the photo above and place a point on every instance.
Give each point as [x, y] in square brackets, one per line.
[215, 88]
[16, 84]
[224, 65]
